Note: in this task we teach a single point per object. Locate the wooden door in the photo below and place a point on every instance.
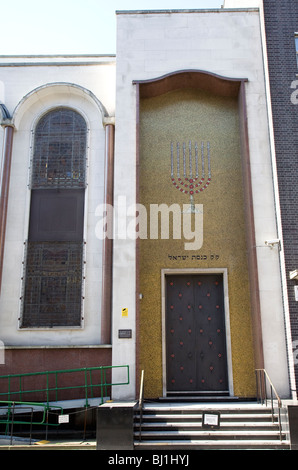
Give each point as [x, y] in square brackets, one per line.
[196, 355]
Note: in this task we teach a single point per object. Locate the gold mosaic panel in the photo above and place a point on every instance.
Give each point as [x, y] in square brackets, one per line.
[180, 116]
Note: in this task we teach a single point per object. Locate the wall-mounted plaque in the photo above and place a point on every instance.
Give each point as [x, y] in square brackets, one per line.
[124, 333]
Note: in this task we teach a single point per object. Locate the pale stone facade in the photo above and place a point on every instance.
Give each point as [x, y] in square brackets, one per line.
[227, 43]
[32, 87]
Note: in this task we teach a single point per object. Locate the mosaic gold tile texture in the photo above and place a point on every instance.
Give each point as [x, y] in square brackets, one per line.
[183, 116]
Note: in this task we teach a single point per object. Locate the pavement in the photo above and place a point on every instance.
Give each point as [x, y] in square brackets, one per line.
[6, 443]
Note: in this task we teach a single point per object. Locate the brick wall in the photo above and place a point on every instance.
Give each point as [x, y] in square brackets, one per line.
[281, 21]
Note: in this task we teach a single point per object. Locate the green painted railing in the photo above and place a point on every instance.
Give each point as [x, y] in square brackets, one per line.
[91, 382]
[10, 412]
[15, 410]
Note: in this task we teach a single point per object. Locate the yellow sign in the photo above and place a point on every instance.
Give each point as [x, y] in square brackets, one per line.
[125, 312]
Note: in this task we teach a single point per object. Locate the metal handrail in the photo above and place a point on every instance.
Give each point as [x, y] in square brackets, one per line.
[261, 379]
[261, 375]
[19, 405]
[141, 403]
[87, 384]
[11, 409]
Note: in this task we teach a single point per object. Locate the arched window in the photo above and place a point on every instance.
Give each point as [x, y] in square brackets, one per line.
[54, 259]
[59, 158]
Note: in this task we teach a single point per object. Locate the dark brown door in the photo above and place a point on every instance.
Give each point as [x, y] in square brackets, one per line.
[195, 334]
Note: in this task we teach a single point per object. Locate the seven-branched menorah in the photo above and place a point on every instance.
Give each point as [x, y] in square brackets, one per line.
[188, 180]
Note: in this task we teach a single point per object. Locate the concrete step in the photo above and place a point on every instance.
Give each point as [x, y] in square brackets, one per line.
[200, 407]
[264, 417]
[200, 434]
[236, 426]
[240, 426]
[192, 444]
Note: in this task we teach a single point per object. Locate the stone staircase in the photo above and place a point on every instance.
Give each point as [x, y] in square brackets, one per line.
[180, 426]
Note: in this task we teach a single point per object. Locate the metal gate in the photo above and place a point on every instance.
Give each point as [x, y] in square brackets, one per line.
[196, 353]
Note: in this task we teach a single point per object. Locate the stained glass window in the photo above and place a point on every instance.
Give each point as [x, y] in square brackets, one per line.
[59, 158]
[52, 290]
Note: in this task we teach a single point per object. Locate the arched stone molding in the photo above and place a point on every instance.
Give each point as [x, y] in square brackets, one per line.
[24, 118]
[207, 81]
[55, 92]
[225, 87]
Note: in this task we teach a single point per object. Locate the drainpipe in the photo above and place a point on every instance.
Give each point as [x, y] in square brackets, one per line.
[5, 179]
[107, 261]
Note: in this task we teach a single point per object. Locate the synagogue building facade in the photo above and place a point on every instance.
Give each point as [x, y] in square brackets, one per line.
[143, 212]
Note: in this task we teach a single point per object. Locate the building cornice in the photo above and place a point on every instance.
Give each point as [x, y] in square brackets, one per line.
[210, 10]
[56, 60]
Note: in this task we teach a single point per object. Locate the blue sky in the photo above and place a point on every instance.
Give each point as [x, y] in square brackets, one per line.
[72, 26]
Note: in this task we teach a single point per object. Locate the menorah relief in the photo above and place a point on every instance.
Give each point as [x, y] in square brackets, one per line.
[188, 179]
